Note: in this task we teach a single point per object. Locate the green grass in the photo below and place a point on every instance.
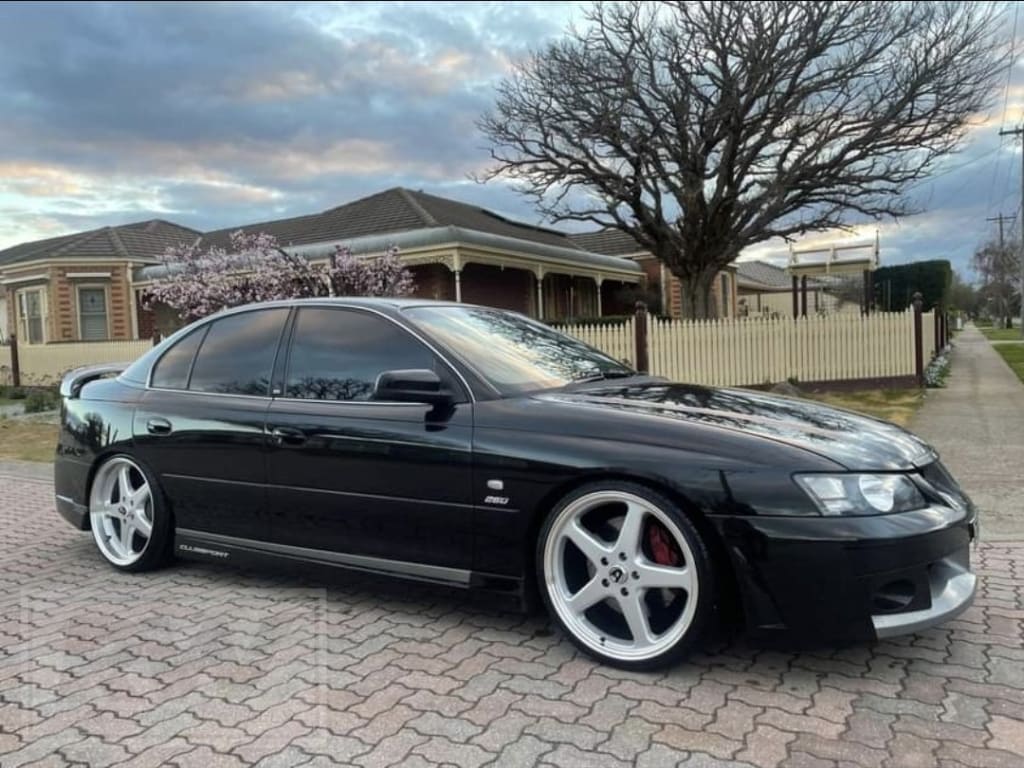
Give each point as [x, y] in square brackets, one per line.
[8, 401]
[1013, 354]
[27, 440]
[895, 405]
[1001, 334]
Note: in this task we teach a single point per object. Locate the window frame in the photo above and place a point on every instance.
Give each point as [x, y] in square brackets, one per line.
[279, 382]
[204, 329]
[106, 309]
[21, 319]
[284, 351]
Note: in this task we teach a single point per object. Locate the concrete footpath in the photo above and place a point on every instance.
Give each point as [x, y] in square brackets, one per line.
[977, 424]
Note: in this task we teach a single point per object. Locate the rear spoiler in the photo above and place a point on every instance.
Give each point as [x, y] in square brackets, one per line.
[73, 382]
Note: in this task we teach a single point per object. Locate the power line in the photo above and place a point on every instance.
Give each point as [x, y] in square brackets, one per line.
[1006, 104]
[1013, 61]
[954, 169]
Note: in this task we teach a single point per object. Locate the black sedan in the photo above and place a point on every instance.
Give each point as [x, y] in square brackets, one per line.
[475, 447]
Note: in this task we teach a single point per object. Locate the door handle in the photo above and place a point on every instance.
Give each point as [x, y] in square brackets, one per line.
[158, 426]
[287, 436]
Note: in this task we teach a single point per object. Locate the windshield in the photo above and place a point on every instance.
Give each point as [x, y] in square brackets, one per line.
[512, 352]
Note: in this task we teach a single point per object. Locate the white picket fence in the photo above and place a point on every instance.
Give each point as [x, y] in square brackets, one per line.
[747, 352]
[725, 352]
[617, 340]
[47, 363]
[753, 351]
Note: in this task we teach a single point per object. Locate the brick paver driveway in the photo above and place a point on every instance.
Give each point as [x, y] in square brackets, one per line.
[205, 666]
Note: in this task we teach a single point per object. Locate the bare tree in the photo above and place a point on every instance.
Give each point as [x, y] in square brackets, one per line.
[703, 127]
[998, 266]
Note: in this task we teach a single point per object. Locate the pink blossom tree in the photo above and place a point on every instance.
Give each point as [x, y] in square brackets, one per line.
[255, 268]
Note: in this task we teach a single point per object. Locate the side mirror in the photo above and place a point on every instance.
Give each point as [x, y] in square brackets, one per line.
[411, 386]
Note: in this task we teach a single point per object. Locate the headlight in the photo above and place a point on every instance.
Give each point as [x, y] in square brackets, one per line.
[862, 494]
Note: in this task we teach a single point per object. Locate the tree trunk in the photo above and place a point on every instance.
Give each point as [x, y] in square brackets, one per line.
[695, 289]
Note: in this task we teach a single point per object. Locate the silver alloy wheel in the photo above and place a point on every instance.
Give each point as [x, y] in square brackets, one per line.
[607, 593]
[121, 511]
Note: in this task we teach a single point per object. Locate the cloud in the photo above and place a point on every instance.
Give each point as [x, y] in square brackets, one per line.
[217, 114]
[220, 112]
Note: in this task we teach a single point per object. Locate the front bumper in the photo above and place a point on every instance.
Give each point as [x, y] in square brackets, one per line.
[852, 579]
[951, 588]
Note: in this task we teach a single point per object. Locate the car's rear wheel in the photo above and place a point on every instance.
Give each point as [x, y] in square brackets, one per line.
[128, 521]
[626, 575]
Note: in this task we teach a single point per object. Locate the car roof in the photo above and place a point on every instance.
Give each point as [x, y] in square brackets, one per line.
[385, 302]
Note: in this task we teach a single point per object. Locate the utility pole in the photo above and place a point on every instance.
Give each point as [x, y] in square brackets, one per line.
[1000, 218]
[1020, 132]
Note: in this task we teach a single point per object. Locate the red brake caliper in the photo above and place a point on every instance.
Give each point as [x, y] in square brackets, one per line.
[661, 545]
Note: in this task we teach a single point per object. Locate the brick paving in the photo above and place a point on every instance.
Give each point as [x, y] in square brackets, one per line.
[206, 665]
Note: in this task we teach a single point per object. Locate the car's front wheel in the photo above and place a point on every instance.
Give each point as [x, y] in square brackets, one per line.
[128, 520]
[626, 575]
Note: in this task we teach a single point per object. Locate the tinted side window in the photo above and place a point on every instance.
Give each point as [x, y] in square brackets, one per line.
[338, 354]
[171, 372]
[237, 356]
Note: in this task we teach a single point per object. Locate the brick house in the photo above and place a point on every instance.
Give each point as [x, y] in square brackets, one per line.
[456, 251]
[78, 287]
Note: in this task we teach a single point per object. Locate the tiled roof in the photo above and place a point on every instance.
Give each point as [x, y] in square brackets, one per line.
[761, 274]
[609, 241]
[393, 210]
[766, 276]
[143, 240]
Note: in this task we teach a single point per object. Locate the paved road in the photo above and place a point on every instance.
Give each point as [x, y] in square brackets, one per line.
[977, 424]
[210, 666]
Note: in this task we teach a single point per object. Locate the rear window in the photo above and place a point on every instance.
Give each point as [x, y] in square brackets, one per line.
[237, 355]
[171, 372]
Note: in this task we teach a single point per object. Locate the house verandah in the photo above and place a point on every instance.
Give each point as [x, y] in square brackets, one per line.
[540, 285]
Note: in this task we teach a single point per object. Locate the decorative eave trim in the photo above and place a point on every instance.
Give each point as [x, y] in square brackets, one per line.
[64, 261]
[87, 275]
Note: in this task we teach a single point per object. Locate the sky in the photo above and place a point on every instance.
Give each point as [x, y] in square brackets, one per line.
[216, 115]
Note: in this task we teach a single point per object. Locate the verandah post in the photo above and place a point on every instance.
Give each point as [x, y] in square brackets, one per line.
[15, 365]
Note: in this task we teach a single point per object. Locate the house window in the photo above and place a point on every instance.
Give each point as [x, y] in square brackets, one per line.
[92, 314]
[32, 316]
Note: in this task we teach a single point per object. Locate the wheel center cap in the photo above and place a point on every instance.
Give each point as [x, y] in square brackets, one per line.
[617, 575]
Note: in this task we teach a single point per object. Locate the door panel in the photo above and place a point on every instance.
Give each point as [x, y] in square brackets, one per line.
[350, 474]
[209, 458]
[378, 480]
[201, 425]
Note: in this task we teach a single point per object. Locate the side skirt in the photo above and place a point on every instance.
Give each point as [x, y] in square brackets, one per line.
[214, 547]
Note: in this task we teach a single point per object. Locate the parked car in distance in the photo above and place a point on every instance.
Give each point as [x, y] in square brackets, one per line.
[475, 447]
